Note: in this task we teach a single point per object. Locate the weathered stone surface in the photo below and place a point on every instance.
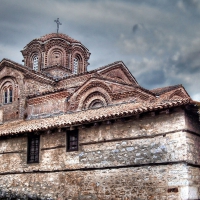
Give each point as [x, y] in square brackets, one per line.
[150, 182]
[125, 164]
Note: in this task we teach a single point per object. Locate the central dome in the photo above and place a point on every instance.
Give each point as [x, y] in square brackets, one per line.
[56, 51]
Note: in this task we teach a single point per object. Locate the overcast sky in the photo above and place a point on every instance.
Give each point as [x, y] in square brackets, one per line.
[158, 40]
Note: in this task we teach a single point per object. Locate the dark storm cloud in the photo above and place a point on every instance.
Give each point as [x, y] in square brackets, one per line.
[158, 40]
[188, 64]
[135, 28]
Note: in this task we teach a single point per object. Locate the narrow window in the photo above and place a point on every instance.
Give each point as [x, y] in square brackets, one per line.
[10, 95]
[5, 96]
[76, 63]
[72, 140]
[33, 149]
[35, 63]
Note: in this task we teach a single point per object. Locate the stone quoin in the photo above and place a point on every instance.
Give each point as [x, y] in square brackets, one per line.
[69, 133]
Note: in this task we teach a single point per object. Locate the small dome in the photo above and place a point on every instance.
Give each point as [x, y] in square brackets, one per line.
[57, 35]
[56, 50]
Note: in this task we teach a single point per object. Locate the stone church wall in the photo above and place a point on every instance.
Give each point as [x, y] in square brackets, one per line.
[131, 183]
[135, 158]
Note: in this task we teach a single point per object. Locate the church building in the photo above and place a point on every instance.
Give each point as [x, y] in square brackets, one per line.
[71, 134]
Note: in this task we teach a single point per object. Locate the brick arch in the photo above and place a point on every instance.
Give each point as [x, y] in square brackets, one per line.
[34, 49]
[56, 56]
[60, 44]
[95, 97]
[93, 85]
[94, 93]
[79, 52]
[96, 103]
[31, 59]
[9, 82]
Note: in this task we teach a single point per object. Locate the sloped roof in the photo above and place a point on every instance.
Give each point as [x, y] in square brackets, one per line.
[49, 36]
[57, 35]
[27, 71]
[88, 116]
[159, 91]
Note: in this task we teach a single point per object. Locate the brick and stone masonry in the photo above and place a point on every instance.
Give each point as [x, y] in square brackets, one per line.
[131, 143]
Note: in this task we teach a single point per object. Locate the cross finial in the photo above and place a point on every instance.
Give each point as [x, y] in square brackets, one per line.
[58, 23]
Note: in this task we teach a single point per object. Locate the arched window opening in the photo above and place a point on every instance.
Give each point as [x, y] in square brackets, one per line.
[5, 96]
[76, 63]
[96, 104]
[35, 63]
[8, 95]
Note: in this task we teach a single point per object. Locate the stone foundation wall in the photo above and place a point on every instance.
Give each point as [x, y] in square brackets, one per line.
[147, 182]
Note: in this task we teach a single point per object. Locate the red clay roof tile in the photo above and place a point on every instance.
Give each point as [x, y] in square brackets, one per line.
[87, 116]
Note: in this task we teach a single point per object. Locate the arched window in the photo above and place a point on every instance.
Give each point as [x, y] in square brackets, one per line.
[8, 95]
[76, 64]
[35, 62]
[5, 95]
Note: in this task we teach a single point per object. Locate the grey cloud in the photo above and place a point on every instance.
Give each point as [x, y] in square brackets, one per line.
[153, 78]
[145, 34]
[190, 63]
[191, 3]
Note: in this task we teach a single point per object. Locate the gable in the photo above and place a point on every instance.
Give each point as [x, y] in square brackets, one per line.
[118, 72]
[27, 73]
[16, 83]
[177, 92]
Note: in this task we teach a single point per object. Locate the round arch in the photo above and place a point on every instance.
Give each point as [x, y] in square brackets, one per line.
[56, 56]
[35, 59]
[95, 94]
[9, 90]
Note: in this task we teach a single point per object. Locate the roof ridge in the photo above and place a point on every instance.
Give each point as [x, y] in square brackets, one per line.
[162, 90]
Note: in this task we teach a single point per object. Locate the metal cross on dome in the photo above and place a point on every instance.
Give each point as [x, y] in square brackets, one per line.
[58, 23]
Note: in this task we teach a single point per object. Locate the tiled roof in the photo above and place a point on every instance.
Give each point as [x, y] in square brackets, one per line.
[159, 91]
[46, 37]
[26, 70]
[57, 35]
[88, 116]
